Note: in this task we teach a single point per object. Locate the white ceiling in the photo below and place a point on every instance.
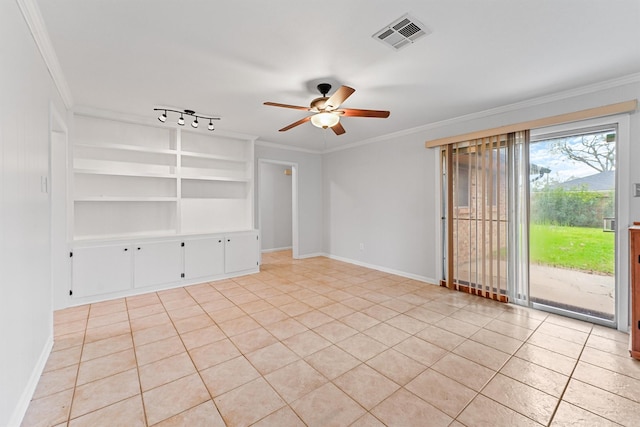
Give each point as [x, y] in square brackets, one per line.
[228, 57]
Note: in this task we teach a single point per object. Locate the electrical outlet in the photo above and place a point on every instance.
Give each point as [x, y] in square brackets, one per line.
[362, 246]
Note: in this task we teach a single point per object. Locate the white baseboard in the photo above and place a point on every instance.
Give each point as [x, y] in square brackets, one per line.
[23, 404]
[92, 299]
[313, 255]
[286, 248]
[385, 269]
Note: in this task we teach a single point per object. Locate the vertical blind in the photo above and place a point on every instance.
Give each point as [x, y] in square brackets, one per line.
[477, 174]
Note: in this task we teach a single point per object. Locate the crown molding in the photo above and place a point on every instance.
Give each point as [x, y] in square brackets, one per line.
[263, 143]
[567, 94]
[33, 17]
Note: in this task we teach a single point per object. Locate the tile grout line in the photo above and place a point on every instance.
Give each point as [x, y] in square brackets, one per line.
[555, 410]
[135, 356]
[75, 383]
[189, 355]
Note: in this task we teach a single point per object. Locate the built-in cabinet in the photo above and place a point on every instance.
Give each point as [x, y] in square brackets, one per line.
[155, 206]
[125, 268]
[156, 263]
[99, 270]
[204, 257]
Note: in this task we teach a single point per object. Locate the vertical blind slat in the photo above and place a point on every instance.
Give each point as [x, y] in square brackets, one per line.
[490, 204]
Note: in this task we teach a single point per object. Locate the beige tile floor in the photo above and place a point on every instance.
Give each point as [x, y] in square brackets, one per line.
[319, 342]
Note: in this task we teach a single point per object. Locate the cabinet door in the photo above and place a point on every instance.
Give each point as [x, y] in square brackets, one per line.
[157, 263]
[101, 270]
[204, 257]
[241, 252]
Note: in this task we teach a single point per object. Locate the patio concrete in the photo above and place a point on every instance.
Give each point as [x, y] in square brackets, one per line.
[592, 292]
[567, 289]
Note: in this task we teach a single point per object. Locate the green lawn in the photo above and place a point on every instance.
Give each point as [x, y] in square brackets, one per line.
[576, 248]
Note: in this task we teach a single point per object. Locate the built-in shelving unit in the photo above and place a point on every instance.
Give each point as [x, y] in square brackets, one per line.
[137, 180]
[156, 207]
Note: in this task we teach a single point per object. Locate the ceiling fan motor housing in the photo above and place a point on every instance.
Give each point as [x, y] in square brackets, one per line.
[318, 103]
[324, 88]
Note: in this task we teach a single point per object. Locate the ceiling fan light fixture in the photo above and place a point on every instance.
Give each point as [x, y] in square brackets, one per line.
[325, 120]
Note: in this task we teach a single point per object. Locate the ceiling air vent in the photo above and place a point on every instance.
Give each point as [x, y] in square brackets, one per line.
[402, 32]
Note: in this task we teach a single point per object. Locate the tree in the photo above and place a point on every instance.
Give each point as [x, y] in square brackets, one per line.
[597, 151]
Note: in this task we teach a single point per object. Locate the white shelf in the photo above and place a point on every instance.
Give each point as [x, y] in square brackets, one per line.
[125, 199]
[126, 147]
[122, 173]
[214, 178]
[212, 156]
[123, 236]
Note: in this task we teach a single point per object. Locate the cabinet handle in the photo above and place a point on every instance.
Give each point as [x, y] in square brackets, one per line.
[126, 249]
[228, 240]
[139, 248]
[219, 241]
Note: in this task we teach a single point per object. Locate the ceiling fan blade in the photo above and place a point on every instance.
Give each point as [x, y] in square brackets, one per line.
[353, 112]
[299, 122]
[338, 129]
[338, 97]
[295, 107]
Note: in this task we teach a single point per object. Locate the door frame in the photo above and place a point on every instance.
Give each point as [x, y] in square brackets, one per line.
[59, 135]
[623, 194]
[294, 200]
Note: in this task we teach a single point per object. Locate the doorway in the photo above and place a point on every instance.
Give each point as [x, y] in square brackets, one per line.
[278, 206]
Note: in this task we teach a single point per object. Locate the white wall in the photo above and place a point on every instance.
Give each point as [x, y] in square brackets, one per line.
[385, 194]
[309, 194]
[382, 195]
[26, 321]
[274, 195]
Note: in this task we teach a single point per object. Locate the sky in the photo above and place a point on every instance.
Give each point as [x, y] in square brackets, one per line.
[562, 168]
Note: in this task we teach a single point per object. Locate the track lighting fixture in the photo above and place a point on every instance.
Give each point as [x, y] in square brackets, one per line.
[163, 117]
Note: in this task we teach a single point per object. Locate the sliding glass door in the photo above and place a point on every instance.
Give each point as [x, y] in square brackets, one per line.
[532, 220]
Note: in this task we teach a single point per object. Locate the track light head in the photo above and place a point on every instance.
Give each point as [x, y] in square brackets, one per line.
[210, 127]
[163, 117]
[181, 120]
[194, 124]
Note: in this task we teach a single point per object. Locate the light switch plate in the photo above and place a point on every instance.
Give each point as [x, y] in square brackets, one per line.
[637, 190]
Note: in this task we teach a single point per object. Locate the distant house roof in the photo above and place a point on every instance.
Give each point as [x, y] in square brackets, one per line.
[603, 181]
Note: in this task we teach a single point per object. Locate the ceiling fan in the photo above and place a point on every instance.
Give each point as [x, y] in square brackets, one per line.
[327, 111]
